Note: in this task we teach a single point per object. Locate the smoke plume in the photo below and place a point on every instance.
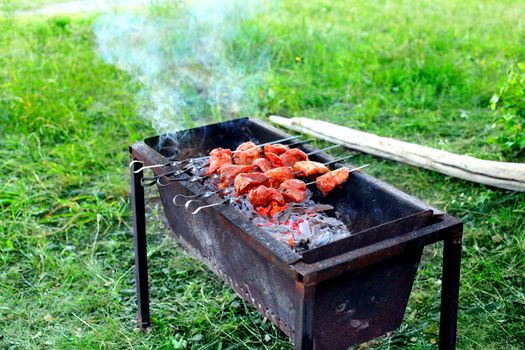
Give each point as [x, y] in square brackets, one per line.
[187, 58]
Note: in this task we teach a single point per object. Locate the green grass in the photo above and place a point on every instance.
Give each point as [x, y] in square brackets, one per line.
[417, 71]
[21, 5]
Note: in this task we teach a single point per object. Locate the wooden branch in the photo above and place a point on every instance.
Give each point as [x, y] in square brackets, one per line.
[510, 176]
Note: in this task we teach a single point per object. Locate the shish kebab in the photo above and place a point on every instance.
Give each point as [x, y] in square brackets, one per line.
[269, 200]
[303, 173]
[275, 179]
[152, 180]
[221, 156]
[278, 161]
[228, 171]
[176, 162]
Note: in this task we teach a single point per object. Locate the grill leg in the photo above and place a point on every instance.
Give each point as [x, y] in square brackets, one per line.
[141, 258]
[304, 338]
[450, 292]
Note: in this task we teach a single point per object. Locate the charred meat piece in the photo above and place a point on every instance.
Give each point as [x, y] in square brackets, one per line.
[277, 176]
[244, 182]
[263, 196]
[327, 182]
[293, 190]
[246, 146]
[293, 155]
[246, 153]
[275, 148]
[263, 164]
[307, 168]
[228, 173]
[274, 159]
[247, 157]
[218, 157]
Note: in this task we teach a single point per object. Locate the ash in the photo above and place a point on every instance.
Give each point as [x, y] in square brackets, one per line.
[301, 226]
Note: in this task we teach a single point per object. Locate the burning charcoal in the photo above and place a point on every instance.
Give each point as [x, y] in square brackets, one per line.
[283, 215]
[321, 207]
[304, 227]
[321, 239]
[281, 229]
[302, 246]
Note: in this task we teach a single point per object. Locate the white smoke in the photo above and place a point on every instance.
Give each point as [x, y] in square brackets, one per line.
[181, 53]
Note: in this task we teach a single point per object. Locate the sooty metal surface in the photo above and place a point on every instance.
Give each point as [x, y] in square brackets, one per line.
[331, 297]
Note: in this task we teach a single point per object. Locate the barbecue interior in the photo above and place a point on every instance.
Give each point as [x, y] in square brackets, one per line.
[361, 203]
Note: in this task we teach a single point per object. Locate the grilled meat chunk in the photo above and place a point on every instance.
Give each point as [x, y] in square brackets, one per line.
[293, 155]
[327, 182]
[307, 168]
[276, 148]
[277, 176]
[228, 173]
[244, 182]
[246, 146]
[247, 157]
[246, 153]
[263, 196]
[274, 159]
[263, 164]
[218, 157]
[293, 190]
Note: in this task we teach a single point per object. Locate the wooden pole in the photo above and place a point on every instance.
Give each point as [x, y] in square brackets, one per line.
[510, 176]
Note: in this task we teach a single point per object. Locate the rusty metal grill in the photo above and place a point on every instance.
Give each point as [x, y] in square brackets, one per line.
[330, 297]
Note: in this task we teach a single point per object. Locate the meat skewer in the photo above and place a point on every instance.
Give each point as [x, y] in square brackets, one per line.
[176, 162]
[308, 168]
[326, 185]
[194, 178]
[218, 157]
[305, 154]
[206, 194]
[327, 182]
[247, 152]
[277, 176]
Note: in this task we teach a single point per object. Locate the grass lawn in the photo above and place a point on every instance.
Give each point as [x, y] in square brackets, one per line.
[417, 71]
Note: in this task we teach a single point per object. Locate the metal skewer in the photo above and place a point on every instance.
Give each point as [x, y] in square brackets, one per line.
[188, 205]
[152, 180]
[193, 197]
[176, 162]
[351, 171]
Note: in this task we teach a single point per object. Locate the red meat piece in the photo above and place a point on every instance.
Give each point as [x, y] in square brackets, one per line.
[293, 190]
[293, 155]
[327, 182]
[218, 157]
